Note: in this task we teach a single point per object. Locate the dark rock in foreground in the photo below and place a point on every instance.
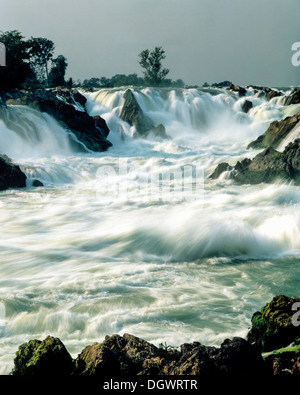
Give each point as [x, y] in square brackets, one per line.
[268, 166]
[276, 132]
[48, 357]
[130, 355]
[11, 176]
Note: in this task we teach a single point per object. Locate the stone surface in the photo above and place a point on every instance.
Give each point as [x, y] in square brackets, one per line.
[276, 132]
[272, 326]
[43, 358]
[268, 166]
[132, 113]
[11, 176]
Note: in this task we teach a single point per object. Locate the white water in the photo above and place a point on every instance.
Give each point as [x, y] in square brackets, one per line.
[107, 247]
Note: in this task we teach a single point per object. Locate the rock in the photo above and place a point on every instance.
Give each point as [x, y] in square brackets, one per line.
[97, 360]
[71, 96]
[246, 106]
[272, 326]
[11, 176]
[223, 84]
[132, 351]
[293, 97]
[276, 132]
[235, 357]
[219, 170]
[266, 92]
[43, 358]
[236, 88]
[296, 367]
[132, 113]
[78, 122]
[37, 183]
[268, 166]
[101, 125]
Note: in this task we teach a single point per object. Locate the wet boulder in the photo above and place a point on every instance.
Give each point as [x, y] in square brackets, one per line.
[11, 176]
[276, 132]
[293, 97]
[132, 113]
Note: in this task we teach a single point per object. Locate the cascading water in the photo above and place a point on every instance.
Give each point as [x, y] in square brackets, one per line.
[112, 244]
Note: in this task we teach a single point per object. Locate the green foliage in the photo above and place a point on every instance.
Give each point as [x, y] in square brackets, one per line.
[41, 52]
[58, 71]
[151, 62]
[17, 68]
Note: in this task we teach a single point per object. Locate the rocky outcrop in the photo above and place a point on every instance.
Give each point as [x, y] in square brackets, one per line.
[238, 89]
[263, 91]
[273, 326]
[11, 176]
[132, 113]
[268, 166]
[293, 97]
[129, 355]
[39, 358]
[276, 132]
[68, 109]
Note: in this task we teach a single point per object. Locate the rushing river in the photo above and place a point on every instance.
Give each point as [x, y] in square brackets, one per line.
[138, 239]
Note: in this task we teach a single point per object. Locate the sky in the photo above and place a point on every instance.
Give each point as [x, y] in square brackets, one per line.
[244, 41]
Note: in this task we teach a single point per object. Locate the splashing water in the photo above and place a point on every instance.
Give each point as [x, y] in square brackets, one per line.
[111, 244]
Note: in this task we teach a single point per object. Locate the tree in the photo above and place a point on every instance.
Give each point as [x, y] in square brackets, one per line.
[151, 61]
[58, 71]
[17, 69]
[41, 52]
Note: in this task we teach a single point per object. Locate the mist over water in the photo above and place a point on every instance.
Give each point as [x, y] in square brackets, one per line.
[112, 244]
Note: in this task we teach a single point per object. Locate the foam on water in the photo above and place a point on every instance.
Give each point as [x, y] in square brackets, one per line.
[101, 250]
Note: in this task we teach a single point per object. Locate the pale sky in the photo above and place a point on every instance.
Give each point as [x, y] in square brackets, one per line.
[245, 41]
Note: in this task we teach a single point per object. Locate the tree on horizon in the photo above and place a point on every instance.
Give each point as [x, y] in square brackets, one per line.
[151, 62]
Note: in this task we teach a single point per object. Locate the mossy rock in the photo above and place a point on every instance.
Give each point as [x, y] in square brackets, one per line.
[40, 358]
[272, 327]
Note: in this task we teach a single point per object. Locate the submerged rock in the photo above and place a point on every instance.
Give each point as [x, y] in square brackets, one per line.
[37, 183]
[276, 132]
[11, 176]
